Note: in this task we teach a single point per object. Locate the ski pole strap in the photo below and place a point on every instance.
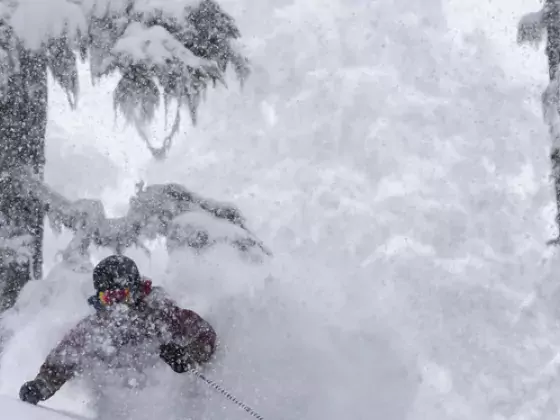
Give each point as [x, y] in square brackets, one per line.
[226, 394]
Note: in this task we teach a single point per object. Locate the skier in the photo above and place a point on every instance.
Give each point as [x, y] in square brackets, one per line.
[133, 327]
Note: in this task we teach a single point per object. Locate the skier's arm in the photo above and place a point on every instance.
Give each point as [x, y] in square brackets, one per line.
[50, 379]
[193, 339]
[60, 366]
[196, 333]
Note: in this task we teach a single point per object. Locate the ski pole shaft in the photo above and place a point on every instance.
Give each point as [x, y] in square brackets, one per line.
[226, 394]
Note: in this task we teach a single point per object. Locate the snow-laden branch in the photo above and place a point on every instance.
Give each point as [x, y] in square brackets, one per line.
[164, 210]
[155, 47]
[34, 22]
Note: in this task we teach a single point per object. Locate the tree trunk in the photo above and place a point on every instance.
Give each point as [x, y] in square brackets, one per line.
[552, 22]
[23, 120]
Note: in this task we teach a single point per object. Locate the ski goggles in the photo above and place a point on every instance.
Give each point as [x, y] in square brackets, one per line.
[112, 296]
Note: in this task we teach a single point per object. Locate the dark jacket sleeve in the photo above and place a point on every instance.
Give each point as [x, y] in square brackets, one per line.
[62, 363]
[190, 331]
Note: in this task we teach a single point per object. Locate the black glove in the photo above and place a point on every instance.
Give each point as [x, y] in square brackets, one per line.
[176, 356]
[31, 392]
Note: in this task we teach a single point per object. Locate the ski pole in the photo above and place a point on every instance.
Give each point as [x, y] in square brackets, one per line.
[226, 394]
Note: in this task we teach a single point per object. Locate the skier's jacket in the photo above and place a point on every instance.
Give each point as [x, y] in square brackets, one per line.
[129, 337]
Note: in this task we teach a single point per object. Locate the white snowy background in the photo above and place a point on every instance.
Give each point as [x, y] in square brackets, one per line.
[393, 156]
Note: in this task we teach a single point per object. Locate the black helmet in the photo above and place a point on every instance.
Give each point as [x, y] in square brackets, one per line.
[116, 272]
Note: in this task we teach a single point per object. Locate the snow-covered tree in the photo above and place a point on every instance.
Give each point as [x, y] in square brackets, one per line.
[531, 29]
[164, 51]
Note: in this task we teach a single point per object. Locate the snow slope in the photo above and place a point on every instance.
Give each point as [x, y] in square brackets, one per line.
[15, 409]
[398, 169]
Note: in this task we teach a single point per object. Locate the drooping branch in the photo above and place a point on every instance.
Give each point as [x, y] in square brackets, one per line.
[169, 50]
[163, 210]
